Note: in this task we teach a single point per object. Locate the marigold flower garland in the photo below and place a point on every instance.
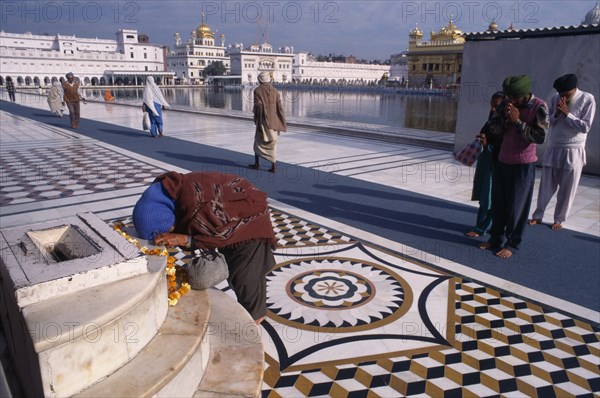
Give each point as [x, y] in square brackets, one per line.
[174, 292]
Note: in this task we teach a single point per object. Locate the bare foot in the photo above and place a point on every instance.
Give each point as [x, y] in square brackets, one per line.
[556, 226]
[485, 245]
[472, 234]
[504, 253]
[259, 320]
[534, 221]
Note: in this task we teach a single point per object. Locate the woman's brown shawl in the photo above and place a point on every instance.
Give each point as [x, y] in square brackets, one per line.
[268, 110]
[218, 210]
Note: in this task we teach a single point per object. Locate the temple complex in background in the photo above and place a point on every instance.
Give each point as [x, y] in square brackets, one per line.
[438, 62]
[188, 60]
[247, 63]
[309, 70]
[38, 60]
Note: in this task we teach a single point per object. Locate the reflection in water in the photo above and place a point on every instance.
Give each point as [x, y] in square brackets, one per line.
[435, 113]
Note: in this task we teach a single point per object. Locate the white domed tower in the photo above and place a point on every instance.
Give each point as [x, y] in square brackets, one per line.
[190, 59]
[593, 16]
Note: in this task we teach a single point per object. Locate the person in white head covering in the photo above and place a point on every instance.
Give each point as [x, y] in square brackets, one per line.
[269, 119]
[55, 98]
[153, 104]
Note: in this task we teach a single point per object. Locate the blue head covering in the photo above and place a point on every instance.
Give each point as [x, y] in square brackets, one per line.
[154, 212]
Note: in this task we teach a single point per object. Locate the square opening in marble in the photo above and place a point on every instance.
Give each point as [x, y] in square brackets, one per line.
[63, 243]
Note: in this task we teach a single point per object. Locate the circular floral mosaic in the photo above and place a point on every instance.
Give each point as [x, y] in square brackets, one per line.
[331, 289]
[336, 294]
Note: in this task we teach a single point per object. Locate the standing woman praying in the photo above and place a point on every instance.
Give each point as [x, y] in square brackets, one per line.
[153, 104]
[55, 98]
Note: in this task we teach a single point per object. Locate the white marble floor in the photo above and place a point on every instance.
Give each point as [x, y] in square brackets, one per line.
[430, 172]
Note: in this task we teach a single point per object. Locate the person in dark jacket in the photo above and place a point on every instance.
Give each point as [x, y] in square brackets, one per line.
[72, 97]
[10, 88]
[269, 120]
[214, 211]
[482, 182]
[518, 124]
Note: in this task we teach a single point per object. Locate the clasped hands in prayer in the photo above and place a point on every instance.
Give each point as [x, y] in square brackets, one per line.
[562, 107]
[170, 239]
[512, 113]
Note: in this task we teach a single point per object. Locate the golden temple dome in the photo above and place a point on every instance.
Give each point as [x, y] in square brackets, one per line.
[493, 26]
[204, 31]
[448, 33]
[416, 31]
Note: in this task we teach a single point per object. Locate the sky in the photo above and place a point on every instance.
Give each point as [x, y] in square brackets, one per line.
[366, 29]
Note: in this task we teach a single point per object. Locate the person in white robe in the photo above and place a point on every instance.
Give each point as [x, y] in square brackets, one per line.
[571, 115]
[154, 101]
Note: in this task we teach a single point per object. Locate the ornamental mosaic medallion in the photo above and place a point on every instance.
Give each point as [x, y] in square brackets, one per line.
[352, 302]
[336, 294]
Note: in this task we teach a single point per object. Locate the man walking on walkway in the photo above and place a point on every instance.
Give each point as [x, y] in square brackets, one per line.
[520, 123]
[10, 88]
[72, 97]
[571, 116]
[269, 120]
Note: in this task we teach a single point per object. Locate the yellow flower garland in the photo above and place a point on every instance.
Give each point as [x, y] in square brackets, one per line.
[174, 293]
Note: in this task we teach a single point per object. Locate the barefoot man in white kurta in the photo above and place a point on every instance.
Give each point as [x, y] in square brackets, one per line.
[571, 116]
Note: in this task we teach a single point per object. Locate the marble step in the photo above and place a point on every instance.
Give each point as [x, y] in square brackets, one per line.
[174, 361]
[201, 350]
[80, 338]
[236, 364]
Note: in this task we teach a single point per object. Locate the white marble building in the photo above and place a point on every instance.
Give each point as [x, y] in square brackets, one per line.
[37, 60]
[188, 59]
[399, 68]
[306, 69]
[248, 63]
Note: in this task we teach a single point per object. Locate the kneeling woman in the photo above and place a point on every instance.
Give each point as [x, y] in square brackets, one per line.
[214, 211]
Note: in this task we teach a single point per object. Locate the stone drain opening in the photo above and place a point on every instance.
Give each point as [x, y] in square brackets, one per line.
[63, 243]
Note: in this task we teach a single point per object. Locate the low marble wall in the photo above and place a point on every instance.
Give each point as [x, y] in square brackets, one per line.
[487, 63]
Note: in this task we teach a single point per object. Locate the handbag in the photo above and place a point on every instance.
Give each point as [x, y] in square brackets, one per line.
[146, 121]
[207, 269]
[469, 154]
